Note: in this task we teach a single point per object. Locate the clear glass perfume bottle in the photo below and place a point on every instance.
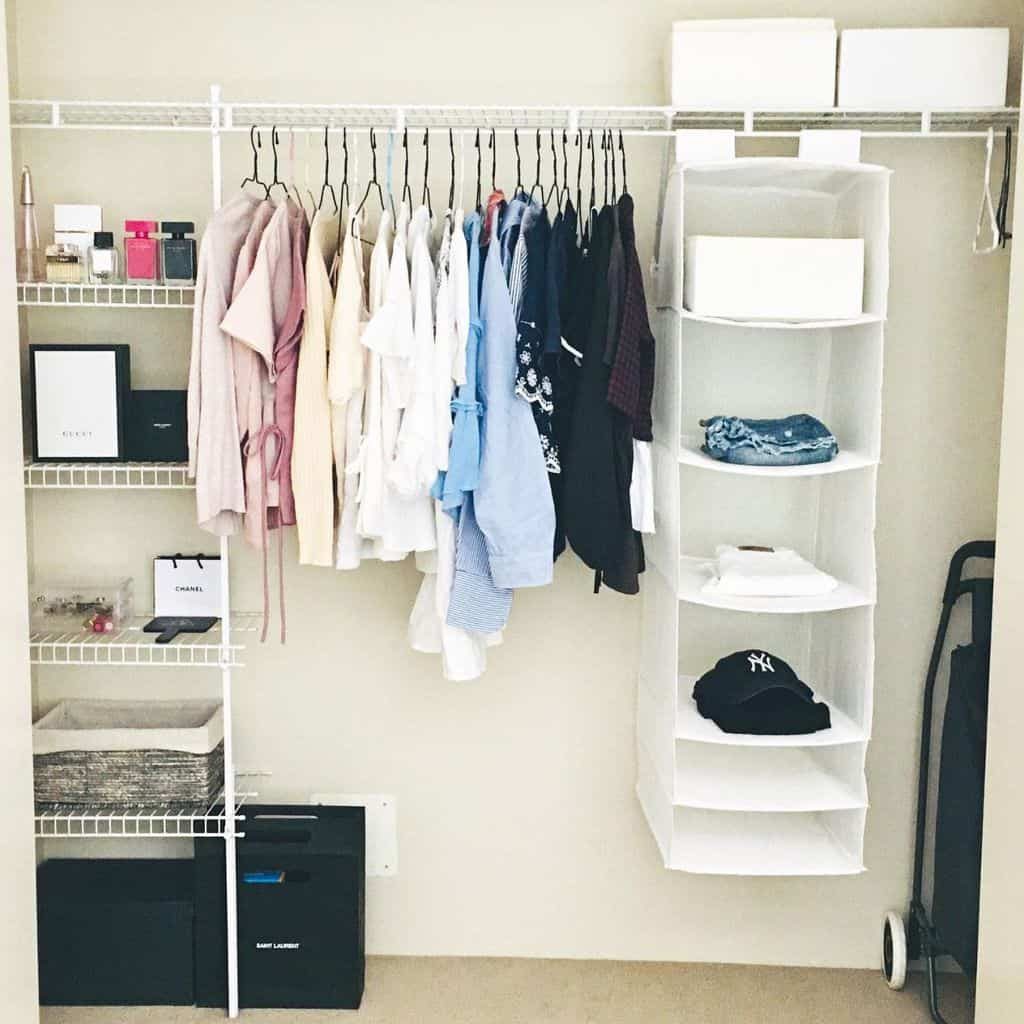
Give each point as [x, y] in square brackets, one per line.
[29, 256]
[104, 261]
[63, 264]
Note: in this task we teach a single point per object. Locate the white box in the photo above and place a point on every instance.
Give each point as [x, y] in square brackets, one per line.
[76, 223]
[753, 64]
[774, 278]
[923, 68]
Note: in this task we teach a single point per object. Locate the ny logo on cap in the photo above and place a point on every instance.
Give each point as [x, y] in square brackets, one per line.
[760, 661]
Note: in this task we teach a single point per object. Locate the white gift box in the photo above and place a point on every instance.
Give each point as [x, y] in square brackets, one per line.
[923, 68]
[753, 63]
[774, 278]
[186, 586]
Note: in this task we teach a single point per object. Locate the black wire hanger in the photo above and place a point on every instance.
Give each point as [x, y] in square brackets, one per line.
[519, 163]
[554, 190]
[494, 162]
[537, 184]
[373, 182]
[622, 150]
[1004, 192]
[257, 144]
[406, 191]
[604, 151]
[611, 150]
[344, 195]
[327, 186]
[593, 170]
[425, 197]
[579, 169]
[451, 186]
[479, 159]
[277, 182]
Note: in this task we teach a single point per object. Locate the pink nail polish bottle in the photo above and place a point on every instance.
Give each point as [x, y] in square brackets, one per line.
[141, 253]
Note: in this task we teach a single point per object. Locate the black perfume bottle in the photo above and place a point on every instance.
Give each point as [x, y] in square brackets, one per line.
[179, 252]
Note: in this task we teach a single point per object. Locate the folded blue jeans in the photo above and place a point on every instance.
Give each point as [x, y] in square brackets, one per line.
[791, 441]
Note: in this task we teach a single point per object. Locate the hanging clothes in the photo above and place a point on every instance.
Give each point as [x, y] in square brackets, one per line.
[214, 442]
[266, 315]
[513, 498]
[350, 382]
[463, 654]
[598, 516]
[312, 457]
[533, 382]
[401, 524]
[476, 603]
[415, 465]
[251, 380]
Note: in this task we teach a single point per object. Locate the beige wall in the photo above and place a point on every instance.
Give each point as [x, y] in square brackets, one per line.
[519, 831]
[17, 856]
[1001, 955]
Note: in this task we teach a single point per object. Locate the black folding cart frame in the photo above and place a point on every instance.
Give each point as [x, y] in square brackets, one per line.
[952, 927]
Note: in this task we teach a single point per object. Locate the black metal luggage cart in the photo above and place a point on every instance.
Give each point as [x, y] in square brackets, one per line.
[952, 927]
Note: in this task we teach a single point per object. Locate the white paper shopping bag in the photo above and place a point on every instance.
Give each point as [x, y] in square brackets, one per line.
[186, 585]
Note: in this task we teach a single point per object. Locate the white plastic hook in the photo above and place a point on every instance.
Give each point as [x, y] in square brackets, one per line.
[986, 206]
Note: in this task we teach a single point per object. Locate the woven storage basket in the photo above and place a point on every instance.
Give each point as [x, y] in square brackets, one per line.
[129, 753]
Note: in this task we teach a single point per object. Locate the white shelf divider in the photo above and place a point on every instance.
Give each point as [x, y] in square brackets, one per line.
[691, 455]
[729, 804]
[692, 727]
[693, 576]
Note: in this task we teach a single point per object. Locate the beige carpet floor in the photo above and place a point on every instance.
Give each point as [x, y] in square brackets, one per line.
[482, 991]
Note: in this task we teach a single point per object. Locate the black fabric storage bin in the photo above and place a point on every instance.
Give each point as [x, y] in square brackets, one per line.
[300, 939]
[115, 932]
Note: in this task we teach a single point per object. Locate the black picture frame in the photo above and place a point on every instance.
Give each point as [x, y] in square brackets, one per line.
[122, 397]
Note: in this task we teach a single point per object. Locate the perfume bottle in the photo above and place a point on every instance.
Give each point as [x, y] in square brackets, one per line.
[63, 264]
[104, 261]
[30, 265]
[141, 253]
[179, 252]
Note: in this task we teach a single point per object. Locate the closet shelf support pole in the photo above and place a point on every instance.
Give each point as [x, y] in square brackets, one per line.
[230, 796]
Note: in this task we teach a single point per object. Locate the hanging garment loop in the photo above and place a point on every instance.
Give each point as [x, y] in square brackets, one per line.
[425, 197]
[494, 163]
[257, 446]
[479, 161]
[986, 209]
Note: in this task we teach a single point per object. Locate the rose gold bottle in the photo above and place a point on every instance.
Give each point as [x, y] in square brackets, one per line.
[30, 265]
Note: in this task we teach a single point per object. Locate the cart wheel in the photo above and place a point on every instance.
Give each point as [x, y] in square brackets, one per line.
[894, 951]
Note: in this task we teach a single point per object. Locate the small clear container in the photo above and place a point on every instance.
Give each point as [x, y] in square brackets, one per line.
[87, 606]
[103, 262]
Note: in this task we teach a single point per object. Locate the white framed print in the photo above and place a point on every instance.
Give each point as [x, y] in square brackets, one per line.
[79, 396]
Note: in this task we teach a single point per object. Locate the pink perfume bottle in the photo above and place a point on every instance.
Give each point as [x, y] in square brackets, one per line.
[141, 253]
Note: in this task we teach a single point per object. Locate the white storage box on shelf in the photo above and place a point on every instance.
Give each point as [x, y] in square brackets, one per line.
[763, 805]
[774, 278]
[756, 63]
[923, 68]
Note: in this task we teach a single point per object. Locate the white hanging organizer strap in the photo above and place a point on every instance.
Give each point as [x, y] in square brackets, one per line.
[830, 146]
[986, 208]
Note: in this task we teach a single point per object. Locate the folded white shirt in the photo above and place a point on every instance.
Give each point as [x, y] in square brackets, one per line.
[776, 573]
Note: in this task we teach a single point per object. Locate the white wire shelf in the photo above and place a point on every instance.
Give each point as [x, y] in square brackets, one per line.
[240, 116]
[105, 476]
[173, 821]
[107, 296]
[131, 647]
